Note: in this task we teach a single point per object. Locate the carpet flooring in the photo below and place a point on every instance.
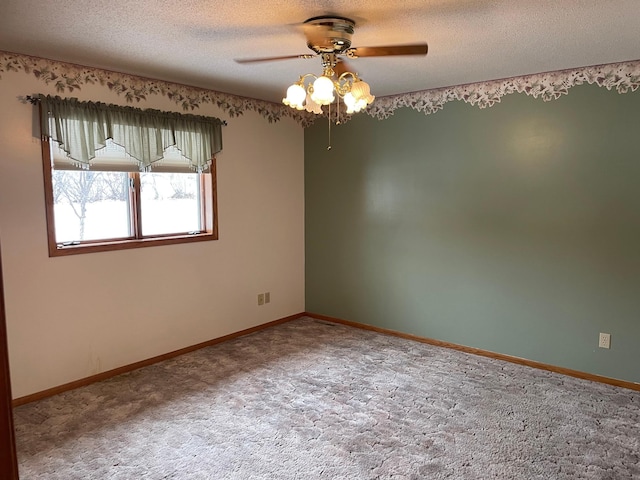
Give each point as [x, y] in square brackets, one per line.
[314, 400]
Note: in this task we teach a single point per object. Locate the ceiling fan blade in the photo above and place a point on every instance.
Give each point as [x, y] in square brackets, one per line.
[417, 49]
[271, 59]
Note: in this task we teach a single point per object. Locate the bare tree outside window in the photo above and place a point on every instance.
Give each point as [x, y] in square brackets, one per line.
[78, 191]
[84, 194]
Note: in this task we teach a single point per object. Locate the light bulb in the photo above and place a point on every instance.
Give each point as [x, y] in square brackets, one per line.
[350, 102]
[322, 91]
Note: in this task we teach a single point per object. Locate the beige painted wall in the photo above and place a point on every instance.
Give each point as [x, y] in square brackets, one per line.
[72, 317]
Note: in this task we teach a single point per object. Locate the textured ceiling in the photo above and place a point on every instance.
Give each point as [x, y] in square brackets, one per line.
[195, 42]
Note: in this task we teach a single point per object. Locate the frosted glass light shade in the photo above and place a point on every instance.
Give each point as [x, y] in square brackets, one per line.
[311, 106]
[353, 105]
[323, 91]
[350, 102]
[295, 96]
[361, 91]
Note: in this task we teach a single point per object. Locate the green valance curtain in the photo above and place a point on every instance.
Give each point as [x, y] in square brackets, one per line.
[82, 128]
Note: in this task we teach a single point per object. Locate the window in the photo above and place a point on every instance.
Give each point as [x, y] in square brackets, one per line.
[99, 199]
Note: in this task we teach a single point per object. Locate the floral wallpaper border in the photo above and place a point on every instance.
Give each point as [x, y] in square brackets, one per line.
[623, 77]
[68, 78]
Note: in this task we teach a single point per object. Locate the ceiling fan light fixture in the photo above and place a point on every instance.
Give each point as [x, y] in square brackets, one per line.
[355, 92]
[329, 37]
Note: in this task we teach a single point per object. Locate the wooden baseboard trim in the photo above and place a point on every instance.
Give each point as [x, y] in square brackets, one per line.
[484, 353]
[144, 363]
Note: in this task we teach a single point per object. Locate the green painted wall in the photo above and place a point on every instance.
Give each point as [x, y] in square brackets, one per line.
[514, 229]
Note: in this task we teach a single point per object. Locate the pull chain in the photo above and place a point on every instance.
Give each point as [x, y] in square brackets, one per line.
[329, 117]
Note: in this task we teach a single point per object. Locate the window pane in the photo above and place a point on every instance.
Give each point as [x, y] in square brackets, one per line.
[170, 203]
[90, 205]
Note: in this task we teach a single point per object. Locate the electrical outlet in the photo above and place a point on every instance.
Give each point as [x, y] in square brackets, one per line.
[267, 297]
[604, 340]
[261, 299]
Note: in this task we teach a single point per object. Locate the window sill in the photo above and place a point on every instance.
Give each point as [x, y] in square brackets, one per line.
[125, 244]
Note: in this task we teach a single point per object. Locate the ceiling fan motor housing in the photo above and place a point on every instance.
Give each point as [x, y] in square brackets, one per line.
[327, 34]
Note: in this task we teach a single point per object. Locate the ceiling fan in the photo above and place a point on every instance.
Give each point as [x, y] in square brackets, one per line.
[329, 37]
[332, 34]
